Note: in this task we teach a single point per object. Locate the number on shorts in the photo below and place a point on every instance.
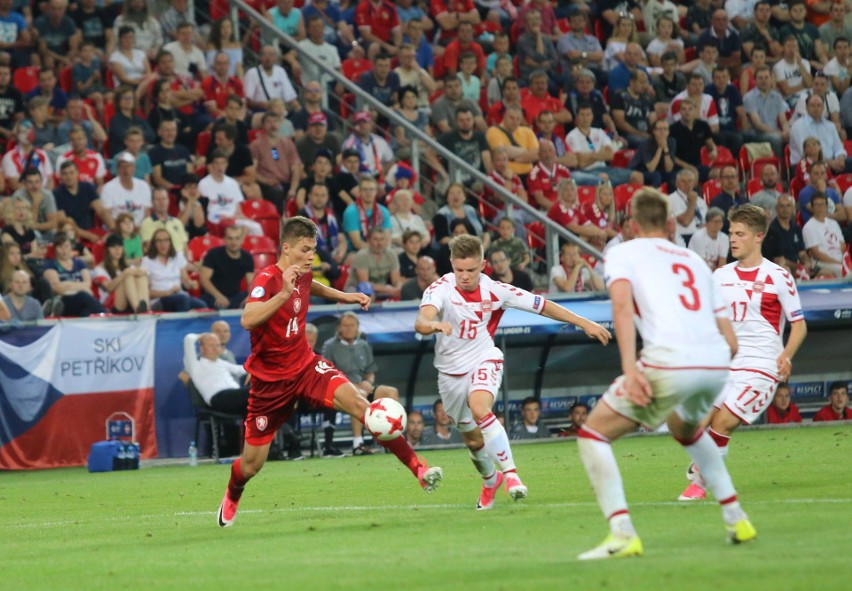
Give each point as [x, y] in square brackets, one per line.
[693, 301]
[467, 329]
[745, 403]
[482, 374]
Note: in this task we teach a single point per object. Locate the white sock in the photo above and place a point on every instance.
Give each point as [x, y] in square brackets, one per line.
[357, 442]
[596, 454]
[484, 465]
[706, 456]
[497, 442]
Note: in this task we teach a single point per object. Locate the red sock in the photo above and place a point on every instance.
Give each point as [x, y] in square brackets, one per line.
[721, 440]
[237, 482]
[400, 447]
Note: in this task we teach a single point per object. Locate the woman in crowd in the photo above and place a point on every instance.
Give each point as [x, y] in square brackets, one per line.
[123, 288]
[456, 210]
[222, 38]
[12, 260]
[126, 117]
[129, 65]
[126, 229]
[623, 33]
[667, 39]
[147, 29]
[168, 275]
[404, 219]
[17, 215]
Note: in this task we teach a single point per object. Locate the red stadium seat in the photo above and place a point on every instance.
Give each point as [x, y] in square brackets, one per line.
[622, 158]
[844, 181]
[66, 80]
[796, 185]
[755, 186]
[536, 235]
[25, 79]
[259, 245]
[623, 194]
[340, 282]
[253, 134]
[257, 209]
[723, 157]
[711, 188]
[218, 229]
[202, 143]
[199, 245]
[756, 167]
[264, 259]
[99, 250]
[271, 227]
[586, 194]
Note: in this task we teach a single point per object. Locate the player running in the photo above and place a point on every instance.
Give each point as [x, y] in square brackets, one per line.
[464, 308]
[760, 296]
[283, 367]
[668, 292]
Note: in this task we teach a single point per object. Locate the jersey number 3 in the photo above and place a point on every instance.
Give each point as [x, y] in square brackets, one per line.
[691, 301]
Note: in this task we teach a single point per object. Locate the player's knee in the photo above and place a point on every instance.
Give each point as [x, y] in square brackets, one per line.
[251, 468]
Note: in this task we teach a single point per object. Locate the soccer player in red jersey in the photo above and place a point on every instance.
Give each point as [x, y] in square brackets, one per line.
[284, 369]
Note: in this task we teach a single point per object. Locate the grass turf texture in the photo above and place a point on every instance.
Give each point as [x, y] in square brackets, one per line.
[363, 523]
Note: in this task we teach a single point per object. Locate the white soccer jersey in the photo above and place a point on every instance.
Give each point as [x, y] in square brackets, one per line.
[760, 300]
[675, 298]
[474, 317]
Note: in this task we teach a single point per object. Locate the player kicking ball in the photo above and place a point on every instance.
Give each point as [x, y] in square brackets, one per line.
[464, 308]
[666, 293]
[284, 369]
[761, 297]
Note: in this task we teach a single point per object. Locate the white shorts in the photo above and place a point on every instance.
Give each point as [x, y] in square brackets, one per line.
[687, 390]
[454, 390]
[747, 393]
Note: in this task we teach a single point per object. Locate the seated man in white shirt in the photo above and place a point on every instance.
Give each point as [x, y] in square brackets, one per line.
[213, 377]
[127, 194]
[269, 81]
[710, 242]
[225, 195]
[824, 239]
[687, 206]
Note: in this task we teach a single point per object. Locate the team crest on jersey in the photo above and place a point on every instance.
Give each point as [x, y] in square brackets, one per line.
[758, 286]
[261, 422]
[297, 305]
[486, 307]
[258, 292]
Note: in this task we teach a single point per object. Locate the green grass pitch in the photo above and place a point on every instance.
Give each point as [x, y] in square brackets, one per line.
[363, 523]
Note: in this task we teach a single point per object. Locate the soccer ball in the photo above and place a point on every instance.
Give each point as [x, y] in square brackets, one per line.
[385, 419]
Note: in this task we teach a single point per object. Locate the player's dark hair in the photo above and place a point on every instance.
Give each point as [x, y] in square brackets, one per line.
[530, 400]
[838, 386]
[465, 246]
[750, 215]
[650, 209]
[296, 228]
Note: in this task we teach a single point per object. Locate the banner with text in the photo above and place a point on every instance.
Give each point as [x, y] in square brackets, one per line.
[57, 391]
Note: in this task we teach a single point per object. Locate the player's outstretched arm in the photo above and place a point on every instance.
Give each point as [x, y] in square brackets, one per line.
[329, 293]
[635, 385]
[798, 332]
[592, 329]
[256, 313]
[426, 324]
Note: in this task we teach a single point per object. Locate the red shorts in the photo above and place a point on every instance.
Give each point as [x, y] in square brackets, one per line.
[271, 404]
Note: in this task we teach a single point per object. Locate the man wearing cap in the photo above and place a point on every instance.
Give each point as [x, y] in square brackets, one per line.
[579, 48]
[125, 193]
[376, 154]
[26, 155]
[278, 166]
[218, 86]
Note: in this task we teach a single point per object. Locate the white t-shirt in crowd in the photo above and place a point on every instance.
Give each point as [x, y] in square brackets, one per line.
[710, 249]
[827, 236]
[163, 277]
[119, 200]
[224, 196]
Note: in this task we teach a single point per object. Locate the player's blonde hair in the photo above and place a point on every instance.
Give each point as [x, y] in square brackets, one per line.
[749, 215]
[465, 247]
[650, 209]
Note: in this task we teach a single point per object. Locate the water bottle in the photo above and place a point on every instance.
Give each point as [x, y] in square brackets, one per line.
[193, 455]
[133, 456]
[121, 459]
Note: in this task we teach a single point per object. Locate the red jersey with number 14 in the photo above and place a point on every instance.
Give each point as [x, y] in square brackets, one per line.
[279, 349]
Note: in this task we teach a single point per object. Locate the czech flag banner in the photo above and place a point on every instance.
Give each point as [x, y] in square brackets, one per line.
[57, 391]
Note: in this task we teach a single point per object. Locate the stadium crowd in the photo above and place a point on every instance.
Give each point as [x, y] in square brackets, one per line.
[152, 147]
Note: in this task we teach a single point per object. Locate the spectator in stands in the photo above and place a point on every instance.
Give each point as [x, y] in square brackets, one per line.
[710, 242]
[125, 117]
[320, 173]
[215, 379]
[189, 61]
[444, 109]
[412, 74]
[12, 260]
[41, 202]
[442, 432]
[578, 48]
[573, 274]
[223, 40]
[577, 415]
[376, 154]
[79, 114]
[123, 287]
[464, 43]
[412, 246]
[404, 219]
[70, 281]
[129, 233]
[225, 270]
[837, 69]
[379, 27]
[456, 210]
[617, 39]
[594, 149]
[312, 98]
[619, 76]
[510, 94]
[219, 86]
[805, 33]
[277, 163]
[471, 83]
[768, 195]
[78, 249]
[424, 275]
[337, 31]
[45, 137]
[748, 71]
[824, 239]
[381, 83]
[792, 71]
[759, 32]
[538, 100]
[186, 96]
[90, 163]
[126, 193]
[655, 157]
[567, 212]
[17, 36]
[241, 165]
[133, 144]
[414, 429]
[225, 195]
[18, 229]
[129, 65]
[147, 31]
[686, 205]
[353, 355]
[836, 409]
[536, 51]
[633, 110]
[530, 426]
[329, 237]
[706, 106]
[79, 202]
[267, 81]
[667, 40]
[553, 161]
[468, 143]
[493, 205]
[364, 214]
[782, 410]
[21, 306]
[767, 112]
[375, 268]
[424, 53]
[722, 33]
[520, 143]
[170, 161]
[315, 45]
[11, 102]
[669, 84]
[730, 195]
[223, 331]
[192, 212]
[160, 219]
[512, 246]
[318, 139]
[584, 92]
[25, 155]
[819, 184]
[815, 125]
[168, 274]
[177, 13]
[831, 105]
[58, 36]
[690, 135]
[729, 107]
[835, 28]
[504, 272]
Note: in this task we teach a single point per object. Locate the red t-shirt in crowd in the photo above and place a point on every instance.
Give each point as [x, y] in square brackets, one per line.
[546, 181]
[827, 414]
[563, 215]
[774, 416]
[218, 92]
[381, 18]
